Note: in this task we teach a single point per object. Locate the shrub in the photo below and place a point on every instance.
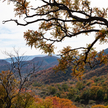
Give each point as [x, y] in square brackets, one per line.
[85, 95]
[36, 84]
[79, 85]
[97, 93]
[53, 102]
[72, 93]
[99, 106]
[52, 90]
[65, 87]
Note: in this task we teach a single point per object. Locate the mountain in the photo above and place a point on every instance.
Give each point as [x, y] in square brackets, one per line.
[50, 59]
[24, 58]
[103, 70]
[44, 62]
[4, 65]
[27, 58]
[3, 62]
[106, 51]
[49, 76]
[46, 73]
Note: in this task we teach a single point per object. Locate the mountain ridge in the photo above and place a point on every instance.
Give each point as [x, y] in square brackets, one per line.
[44, 63]
[46, 72]
[48, 76]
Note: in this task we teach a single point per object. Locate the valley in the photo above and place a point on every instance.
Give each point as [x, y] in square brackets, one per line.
[90, 90]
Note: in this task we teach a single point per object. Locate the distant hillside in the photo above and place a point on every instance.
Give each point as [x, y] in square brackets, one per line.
[96, 72]
[42, 62]
[49, 76]
[4, 65]
[28, 58]
[3, 62]
[45, 62]
[46, 73]
[106, 51]
[24, 58]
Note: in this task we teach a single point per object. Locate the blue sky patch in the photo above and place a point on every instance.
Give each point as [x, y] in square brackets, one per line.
[4, 30]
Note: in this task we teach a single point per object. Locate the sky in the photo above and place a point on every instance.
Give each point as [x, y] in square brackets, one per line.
[11, 35]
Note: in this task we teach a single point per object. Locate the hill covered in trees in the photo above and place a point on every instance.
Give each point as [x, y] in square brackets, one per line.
[44, 62]
[46, 74]
[49, 76]
[91, 90]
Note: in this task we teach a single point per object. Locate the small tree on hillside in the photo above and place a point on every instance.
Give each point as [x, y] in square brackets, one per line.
[65, 19]
[14, 82]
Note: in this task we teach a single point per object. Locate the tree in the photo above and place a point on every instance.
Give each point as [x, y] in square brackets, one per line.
[97, 93]
[13, 83]
[65, 19]
[53, 102]
[8, 87]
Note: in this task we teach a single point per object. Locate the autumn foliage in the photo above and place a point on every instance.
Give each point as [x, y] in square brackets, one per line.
[53, 102]
[59, 20]
[11, 96]
[99, 106]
